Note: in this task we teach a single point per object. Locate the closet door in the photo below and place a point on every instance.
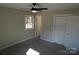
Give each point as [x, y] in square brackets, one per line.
[72, 32]
[59, 29]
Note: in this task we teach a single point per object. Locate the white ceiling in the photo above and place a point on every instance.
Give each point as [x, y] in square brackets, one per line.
[50, 6]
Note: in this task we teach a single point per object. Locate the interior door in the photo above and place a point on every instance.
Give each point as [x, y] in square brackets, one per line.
[59, 29]
[72, 32]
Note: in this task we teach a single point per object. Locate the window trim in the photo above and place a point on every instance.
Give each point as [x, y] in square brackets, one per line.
[30, 22]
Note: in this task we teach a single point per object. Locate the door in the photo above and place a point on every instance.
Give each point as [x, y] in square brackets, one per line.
[59, 29]
[72, 32]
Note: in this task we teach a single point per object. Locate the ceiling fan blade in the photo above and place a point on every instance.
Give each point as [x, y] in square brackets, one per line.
[43, 8]
[39, 9]
[35, 9]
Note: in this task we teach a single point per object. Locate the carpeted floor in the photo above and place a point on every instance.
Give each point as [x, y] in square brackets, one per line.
[43, 47]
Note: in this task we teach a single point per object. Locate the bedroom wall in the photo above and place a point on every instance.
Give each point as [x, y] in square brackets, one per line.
[47, 22]
[12, 27]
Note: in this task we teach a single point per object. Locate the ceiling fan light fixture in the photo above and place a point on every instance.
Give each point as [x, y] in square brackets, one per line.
[34, 11]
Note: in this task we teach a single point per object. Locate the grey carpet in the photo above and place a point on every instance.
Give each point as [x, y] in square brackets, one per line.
[43, 47]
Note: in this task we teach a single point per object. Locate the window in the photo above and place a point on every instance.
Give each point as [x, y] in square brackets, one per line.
[29, 22]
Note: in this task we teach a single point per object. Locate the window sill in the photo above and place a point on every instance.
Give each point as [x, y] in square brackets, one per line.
[29, 29]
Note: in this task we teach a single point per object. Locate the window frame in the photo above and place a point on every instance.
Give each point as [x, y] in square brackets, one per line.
[29, 22]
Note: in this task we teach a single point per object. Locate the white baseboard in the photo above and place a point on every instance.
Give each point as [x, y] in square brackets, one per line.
[13, 43]
[52, 41]
[45, 39]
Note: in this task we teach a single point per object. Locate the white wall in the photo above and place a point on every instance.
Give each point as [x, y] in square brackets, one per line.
[38, 25]
[47, 27]
[47, 22]
[12, 27]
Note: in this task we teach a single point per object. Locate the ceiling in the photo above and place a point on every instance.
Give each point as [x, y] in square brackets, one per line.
[50, 6]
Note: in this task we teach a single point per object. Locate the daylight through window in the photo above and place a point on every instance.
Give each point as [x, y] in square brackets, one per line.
[29, 22]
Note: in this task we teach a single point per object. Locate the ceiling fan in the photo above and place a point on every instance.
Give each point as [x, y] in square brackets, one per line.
[35, 7]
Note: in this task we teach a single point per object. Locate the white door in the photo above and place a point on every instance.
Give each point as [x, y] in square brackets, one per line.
[59, 29]
[72, 32]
